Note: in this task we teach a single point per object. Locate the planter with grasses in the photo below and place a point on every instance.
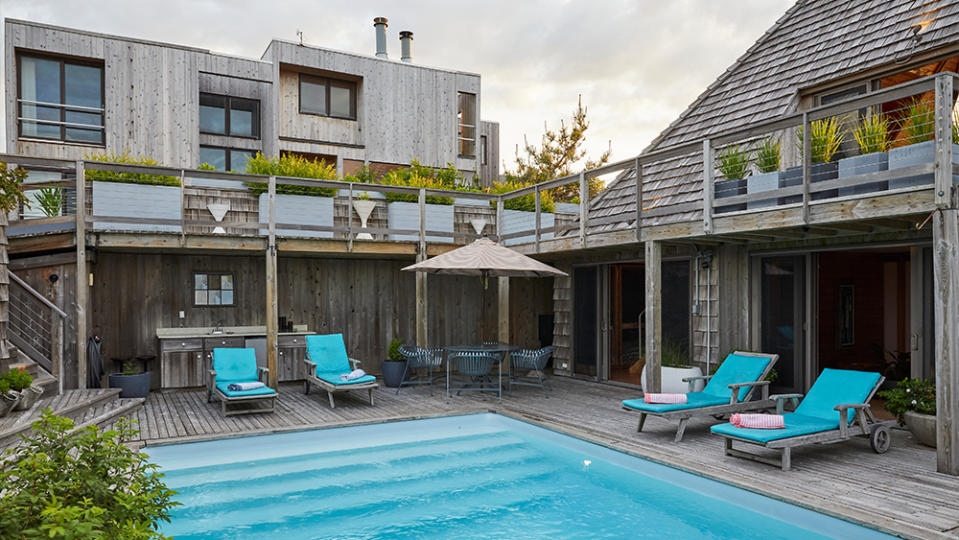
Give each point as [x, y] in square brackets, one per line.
[676, 366]
[137, 196]
[300, 205]
[872, 136]
[917, 146]
[766, 156]
[733, 165]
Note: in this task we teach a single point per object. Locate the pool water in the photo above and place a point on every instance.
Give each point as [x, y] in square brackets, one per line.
[480, 476]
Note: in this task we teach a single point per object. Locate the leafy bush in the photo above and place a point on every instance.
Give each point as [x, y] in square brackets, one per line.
[4, 386]
[421, 176]
[18, 379]
[364, 175]
[50, 200]
[919, 125]
[68, 484]
[526, 203]
[825, 137]
[294, 166]
[872, 134]
[393, 353]
[11, 187]
[910, 395]
[129, 178]
[205, 167]
[767, 155]
[734, 162]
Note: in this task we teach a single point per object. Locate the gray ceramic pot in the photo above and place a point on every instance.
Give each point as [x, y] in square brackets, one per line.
[922, 426]
[393, 373]
[131, 386]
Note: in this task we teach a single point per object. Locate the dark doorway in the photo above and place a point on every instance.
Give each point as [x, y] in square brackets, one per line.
[627, 301]
[782, 312]
[585, 312]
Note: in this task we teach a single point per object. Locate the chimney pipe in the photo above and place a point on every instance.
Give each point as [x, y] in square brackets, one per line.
[380, 24]
[406, 46]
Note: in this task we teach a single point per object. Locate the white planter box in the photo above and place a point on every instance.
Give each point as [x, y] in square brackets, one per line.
[520, 220]
[864, 164]
[673, 380]
[345, 193]
[135, 201]
[471, 202]
[299, 210]
[406, 215]
[758, 183]
[567, 208]
[917, 154]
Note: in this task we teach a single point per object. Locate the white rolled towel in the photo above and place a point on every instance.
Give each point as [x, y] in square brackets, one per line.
[353, 375]
[243, 386]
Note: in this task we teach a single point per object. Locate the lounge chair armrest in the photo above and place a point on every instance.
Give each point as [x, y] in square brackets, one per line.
[844, 417]
[691, 381]
[734, 394]
[781, 398]
[354, 362]
[851, 406]
[260, 371]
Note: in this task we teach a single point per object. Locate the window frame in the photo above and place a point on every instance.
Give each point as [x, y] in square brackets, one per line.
[208, 273]
[62, 123]
[226, 112]
[327, 82]
[460, 125]
[229, 154]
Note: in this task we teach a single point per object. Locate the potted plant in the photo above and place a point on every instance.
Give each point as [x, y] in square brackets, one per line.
[134, 195]
[917, 131]
[825, 138]
[676, 366]
[21, 382]
[8, 398]
[295, 204]
[132, 382]
[403, 210]
[872, 137]
[394, 366]
[767, 156]
[913, 401]
[733, 164]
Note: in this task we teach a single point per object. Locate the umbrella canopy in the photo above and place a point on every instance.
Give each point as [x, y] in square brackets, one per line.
[487, 259]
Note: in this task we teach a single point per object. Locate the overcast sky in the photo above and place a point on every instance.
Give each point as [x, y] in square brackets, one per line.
[637, 63]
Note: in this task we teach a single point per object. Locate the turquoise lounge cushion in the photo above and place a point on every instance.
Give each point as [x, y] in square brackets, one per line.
[796, 424]
[837, 387]
[261, 391]
[736, 369]
[335, 379]
[694, 400]
[234, 364]
[329, 353]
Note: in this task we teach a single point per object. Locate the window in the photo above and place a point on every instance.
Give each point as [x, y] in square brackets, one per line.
[224, 115]
[61, 100]
[466, 121]
[483, 150]
[225, 159]
[327, 97]
[213, 289]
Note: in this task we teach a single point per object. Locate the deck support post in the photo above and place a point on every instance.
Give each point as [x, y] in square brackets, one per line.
[272, 310]
[943, 137]
[709, 185]
[503, 310]
[946, 298]
[83, 284]
[654, 314]
[422, 336]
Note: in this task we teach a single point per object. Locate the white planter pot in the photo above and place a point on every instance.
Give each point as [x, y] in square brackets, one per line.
[118, 200]
[7, 402]
[916, 154]
[759, 183]
[363, 209]
[28, 397]
[567, 208]
[520, 220]
[672, 379]
[864, 164]
[406, 215]
[299, 210]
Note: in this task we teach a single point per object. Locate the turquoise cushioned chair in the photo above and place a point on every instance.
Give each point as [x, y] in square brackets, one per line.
[326, 360]
[726, 392]
[239, 366]
[821, 417]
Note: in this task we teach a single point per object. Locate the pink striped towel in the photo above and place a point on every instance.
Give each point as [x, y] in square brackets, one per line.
[665, 398]
[758, 421]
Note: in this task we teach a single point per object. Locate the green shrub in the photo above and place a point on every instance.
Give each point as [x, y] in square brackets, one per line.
[393, 353]
[205, 167]
[50, 200]
[526, 203]
[18, 379]
[4, 386]
[919, 125]
[61, 483]
[872, 134]
[11, 188]
[734, 162]
[910, 395]
[767, 155]
[294, 166]
[826, 136]
[129, 178]
[364, 175]
[421, 176]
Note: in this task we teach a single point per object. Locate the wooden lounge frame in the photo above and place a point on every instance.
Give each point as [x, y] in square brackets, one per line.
[312, 379]
[269, 400]
[734, 405]
[863, 424]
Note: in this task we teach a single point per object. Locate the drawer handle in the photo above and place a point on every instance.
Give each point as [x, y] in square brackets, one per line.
[183, 344]
[294, 341]
[224, 342]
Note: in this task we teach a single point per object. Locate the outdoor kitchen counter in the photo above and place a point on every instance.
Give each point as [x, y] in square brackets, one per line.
[186, 354]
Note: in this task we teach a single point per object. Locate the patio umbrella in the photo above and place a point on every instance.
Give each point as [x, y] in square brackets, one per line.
[486, 259]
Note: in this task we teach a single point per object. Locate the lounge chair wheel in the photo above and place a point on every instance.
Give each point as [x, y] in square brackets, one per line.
[879, 439]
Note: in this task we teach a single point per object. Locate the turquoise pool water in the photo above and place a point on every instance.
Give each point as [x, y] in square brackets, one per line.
[476, 476]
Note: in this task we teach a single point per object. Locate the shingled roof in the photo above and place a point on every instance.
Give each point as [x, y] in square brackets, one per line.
[813, 43]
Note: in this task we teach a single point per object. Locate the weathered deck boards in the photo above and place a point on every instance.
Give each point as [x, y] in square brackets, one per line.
[899, 491]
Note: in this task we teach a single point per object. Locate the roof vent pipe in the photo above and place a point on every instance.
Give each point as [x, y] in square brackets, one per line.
[406, 46]
[380, 24]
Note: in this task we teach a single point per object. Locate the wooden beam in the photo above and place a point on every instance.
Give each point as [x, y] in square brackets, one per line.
[806, 166]
[272, 308]
[946, 299]
[709, 184]
[638, 171]
[943, 175]
[503, 310]
[83, 285]
[654, 316]
[539, 220]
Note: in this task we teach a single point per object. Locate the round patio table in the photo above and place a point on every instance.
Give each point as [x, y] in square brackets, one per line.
[502, 349]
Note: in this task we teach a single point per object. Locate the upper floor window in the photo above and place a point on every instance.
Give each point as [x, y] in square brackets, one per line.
[225, 115]
[327, 97]
[60, 99]
[225, 159]
[466, 124]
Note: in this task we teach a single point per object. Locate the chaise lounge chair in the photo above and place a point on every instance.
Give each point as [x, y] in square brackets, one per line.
[727, 391]
[822, 417]
[239, 366]
[326, 360]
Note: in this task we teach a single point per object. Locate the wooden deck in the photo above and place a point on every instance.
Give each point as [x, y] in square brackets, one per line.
[898, 492]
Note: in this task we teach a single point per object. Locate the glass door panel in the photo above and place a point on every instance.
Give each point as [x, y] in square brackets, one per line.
[781, 318]
[585, 320]
[627, 301]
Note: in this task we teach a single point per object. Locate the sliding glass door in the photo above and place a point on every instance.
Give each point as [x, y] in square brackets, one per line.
[782, 310]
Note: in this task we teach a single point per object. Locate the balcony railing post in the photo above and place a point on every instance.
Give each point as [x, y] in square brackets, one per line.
[500, 202]
[638, 171]
[349, 216]
[943, 175]
[82, 283]
[709, 183]
[806, 166]
[583, 207]
[422, 207]
[182, 205]
[538, 217]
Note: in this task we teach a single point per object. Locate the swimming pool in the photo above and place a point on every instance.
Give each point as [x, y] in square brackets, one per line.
[481, 475]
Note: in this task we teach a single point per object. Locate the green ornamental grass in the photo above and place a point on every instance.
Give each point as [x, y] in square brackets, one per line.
[734, 162]
[919, 124]
[872, 134]
[825, 137]
[767, 155]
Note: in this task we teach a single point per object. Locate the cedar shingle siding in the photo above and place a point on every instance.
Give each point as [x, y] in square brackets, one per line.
[813, 43]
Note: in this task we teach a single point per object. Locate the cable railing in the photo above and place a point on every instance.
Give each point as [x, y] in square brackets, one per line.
[36, 325]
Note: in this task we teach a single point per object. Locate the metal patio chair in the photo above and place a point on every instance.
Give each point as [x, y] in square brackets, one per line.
[529, 360]
[418, 358]
[474, 366]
